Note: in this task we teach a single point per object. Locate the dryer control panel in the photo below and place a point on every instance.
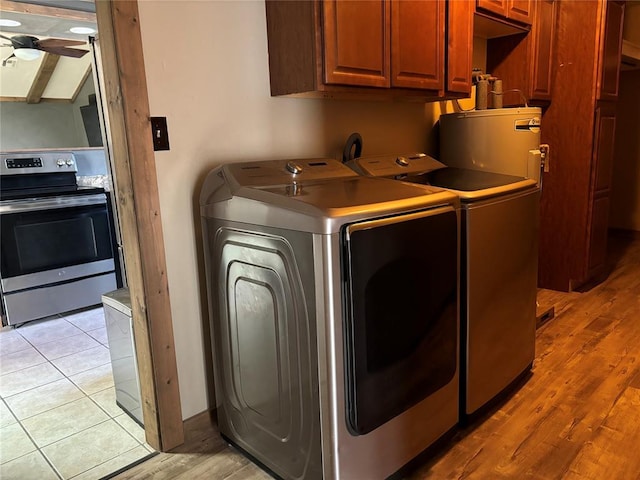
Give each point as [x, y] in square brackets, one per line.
[282, 172]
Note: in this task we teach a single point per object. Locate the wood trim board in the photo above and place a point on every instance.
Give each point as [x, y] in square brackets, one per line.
[42, 10]
[43, 76]
[126, 102]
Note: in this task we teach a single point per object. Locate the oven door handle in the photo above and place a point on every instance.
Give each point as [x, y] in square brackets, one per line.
[34, 204]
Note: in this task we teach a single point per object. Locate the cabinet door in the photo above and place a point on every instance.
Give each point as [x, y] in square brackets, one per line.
[356, 43]
[598, 235]
[603, 147]
[499, 7]
[417, 44]
[543, 32]
[520, 11]
[605, 127]
[610, 53]
[517, 10]
[459, 46]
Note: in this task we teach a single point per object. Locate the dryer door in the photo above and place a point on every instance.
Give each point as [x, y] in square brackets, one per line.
[401, 327]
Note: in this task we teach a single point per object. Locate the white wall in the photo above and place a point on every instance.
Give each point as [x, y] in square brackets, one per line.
[207, 72]
[44, 124]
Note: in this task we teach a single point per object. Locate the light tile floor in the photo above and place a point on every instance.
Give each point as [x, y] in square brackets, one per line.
[58, 412]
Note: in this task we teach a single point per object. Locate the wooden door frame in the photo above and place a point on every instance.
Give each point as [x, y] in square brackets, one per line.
[125, 100]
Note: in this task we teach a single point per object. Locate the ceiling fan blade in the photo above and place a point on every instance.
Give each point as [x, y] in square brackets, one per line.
[59, 42]
[65, 52]
[22, 41]
[16, 41]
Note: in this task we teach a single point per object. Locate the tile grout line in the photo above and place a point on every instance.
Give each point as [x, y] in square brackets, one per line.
[38, 449]
[110, 417]
[54, 365]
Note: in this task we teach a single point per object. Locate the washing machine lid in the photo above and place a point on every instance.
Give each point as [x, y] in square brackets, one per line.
[264, 194]
[472, 185]
[421, 169]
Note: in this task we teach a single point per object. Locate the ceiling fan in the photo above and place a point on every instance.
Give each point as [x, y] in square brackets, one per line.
[27, 47]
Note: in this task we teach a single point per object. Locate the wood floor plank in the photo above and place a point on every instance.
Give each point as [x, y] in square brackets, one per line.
[613, 452]
[228, 461]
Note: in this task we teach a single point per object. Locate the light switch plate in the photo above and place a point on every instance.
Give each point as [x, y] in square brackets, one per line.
[160, 133]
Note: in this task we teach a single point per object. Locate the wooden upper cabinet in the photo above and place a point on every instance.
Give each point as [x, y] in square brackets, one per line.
[418, 49]
[417, 44]
[520, 11]
[516, 10]
[459, 47]
[524, 61]
[610, 51]
[543, 35]
[356, 43]
[499, 7]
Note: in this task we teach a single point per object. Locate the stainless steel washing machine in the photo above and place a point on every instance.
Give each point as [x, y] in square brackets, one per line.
[499, 260]
[334, 310]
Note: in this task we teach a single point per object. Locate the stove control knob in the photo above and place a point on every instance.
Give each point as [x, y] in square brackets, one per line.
[61, 162]
[69, 162]
[402, 161]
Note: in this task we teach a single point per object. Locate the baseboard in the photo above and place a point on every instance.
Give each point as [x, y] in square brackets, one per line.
[205, 420]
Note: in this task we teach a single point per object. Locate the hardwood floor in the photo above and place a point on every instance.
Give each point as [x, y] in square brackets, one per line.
[577, 416]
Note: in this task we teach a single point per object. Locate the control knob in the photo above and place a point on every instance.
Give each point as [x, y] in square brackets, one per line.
[402, 161]
[61, 162]
[69, 162]
[293, 167]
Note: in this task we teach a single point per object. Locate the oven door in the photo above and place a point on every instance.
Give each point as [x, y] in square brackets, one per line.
[53, 240]
[401, 312]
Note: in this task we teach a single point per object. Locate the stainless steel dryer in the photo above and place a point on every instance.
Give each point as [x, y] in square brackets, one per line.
[499, 260]
[333, 304]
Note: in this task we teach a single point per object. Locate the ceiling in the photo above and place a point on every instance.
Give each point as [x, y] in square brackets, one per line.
[45, 19]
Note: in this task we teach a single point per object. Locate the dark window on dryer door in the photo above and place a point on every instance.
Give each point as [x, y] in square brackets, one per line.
[401, 315]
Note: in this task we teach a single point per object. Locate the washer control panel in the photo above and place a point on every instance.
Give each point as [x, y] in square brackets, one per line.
[395, 165]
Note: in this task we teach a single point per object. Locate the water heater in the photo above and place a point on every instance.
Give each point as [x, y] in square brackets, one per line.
[501, 140]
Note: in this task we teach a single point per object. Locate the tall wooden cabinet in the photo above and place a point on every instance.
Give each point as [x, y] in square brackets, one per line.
[580, 127]
[378, 48]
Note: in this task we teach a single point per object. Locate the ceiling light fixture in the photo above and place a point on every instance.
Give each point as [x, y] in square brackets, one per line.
[27, 53]
[82, 30]
[4, 22]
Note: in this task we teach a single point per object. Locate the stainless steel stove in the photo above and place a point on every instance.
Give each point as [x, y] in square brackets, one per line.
[57, 251]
